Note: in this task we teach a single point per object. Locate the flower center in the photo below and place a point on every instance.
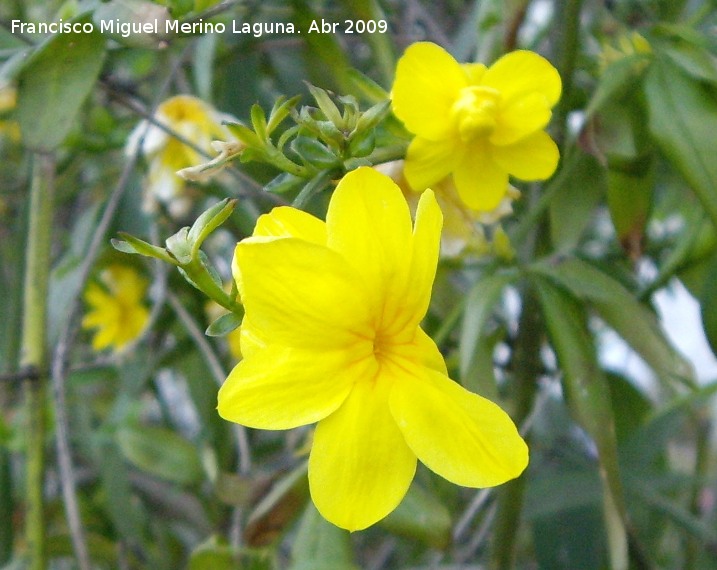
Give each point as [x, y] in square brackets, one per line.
[474, 112]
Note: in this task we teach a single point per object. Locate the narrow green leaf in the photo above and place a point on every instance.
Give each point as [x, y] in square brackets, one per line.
[278, 507]
[588, 397]
[133, 245]
[314, 152]
[213, 553]
[209, 221]
[327, 106]
[421, 516]
[480, 302]
[708, 306]
[683, 122]
[623, 313]
[319, 545]
[161, 452]
[258, 121]
[54, 84]
[224, 325]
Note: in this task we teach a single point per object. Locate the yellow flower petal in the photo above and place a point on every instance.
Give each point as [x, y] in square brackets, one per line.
[421, 350]
[369, 224]
[360, 466]
[533, 158]
[422, 272]
[290, 222]
[481, 182]
[429, 162]
[281, 388]
[461, 436]
[301, 294]
[519, 73]
[474, 72]
[520, 119]
[427, 83]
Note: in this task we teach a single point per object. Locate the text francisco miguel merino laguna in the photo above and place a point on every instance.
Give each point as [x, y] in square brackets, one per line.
[166, 27]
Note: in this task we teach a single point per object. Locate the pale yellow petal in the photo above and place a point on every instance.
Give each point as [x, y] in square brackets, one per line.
[481, 183]
[463, 437]
[369, 224]
[285, 221]
[522, 72]
[429, 162]
[360, 466]
[301, 294]
[519, 119]
[533, 158]
[281, 388]
[427, 83]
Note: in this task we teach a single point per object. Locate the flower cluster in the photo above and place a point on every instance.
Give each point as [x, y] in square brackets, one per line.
[332, 334]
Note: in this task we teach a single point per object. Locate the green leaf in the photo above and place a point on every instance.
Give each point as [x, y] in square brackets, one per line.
[327, 106]
[618, 79]
[634, 322]
[224, 325]
[708, 306]
[258, 121]
[126, 514]
[213, 553]
[581, 186]
[588, 397]
[53, 85]
[180, 246]
[314, 152]
[629, 199]
[480, 302]
[421, 516]
[161, 452]
[683, 122]
[278, 507]
[133, 245]
[319, 545]
[209, 221]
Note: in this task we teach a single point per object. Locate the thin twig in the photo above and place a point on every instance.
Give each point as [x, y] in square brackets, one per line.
[217, 370]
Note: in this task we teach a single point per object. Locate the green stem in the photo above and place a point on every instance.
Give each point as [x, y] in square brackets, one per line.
[528, 366]
[34, 348]
[701, 475]
[567, 27]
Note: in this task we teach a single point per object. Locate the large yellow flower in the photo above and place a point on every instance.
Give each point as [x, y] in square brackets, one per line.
[478, 124]
[195, 121]
[331, 335]
[117, 307]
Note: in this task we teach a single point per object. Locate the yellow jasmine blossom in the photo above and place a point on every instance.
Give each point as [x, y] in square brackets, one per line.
[331, 335]
[478, 124]
[463, 227]
[195, 121]
[117, 307]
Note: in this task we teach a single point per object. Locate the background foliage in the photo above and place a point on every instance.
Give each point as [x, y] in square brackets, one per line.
[125, 452]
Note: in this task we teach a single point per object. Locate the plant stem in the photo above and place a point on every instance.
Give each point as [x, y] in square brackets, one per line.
[527, 366]
[34, 348]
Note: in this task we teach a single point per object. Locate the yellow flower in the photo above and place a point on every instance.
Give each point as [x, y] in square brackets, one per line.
[331, 335]
[463, 228]
[196, 122]
[478, 124]
[116, 307]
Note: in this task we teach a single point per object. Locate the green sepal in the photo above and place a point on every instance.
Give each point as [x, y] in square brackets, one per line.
[209, 221]
[133, 245]
[223, 325]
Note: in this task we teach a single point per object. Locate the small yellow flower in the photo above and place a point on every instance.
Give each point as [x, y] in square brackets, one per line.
[478, 124]
[195, 121]
[463, 228]
[331, 335]
[117, 307]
